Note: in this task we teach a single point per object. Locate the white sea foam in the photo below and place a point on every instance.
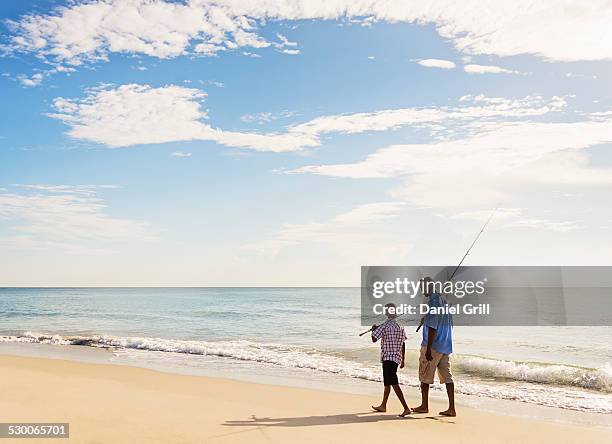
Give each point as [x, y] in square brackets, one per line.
[562, 386]
[276, 354]
[597, 379]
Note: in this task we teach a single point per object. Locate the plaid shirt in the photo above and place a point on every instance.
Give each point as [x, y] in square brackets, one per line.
[392, 338]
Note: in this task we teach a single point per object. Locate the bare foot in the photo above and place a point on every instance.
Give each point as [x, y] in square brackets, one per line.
[449, 412]
[420, 409]
[380, 408]
[404, 413]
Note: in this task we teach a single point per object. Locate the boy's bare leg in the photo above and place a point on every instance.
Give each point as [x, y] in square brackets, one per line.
[424, 407]
[398, 391]
[450, 391]
[383, 405]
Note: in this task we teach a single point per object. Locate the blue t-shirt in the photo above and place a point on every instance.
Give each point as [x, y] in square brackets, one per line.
[442, 323]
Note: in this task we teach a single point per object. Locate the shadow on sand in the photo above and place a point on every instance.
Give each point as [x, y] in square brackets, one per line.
[345, 418]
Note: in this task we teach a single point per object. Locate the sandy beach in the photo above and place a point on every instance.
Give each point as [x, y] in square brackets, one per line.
[117, 404]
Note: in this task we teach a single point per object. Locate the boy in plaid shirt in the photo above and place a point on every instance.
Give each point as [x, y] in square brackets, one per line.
[392, 349]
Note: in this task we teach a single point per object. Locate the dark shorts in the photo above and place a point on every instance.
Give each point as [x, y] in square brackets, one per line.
[390, 373]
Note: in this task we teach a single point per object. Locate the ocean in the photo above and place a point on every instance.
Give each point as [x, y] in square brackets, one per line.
[307, 337]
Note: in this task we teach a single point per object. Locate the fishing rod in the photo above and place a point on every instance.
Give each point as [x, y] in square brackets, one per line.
[473, 243]
[457, 267]
[464, 256]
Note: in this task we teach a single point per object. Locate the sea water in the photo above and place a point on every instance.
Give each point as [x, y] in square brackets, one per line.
[307, 336]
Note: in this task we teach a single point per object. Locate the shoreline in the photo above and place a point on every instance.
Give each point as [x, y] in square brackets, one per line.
[244, 371]
[119, 403]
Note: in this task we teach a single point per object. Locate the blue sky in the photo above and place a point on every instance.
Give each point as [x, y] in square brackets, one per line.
[209, 143]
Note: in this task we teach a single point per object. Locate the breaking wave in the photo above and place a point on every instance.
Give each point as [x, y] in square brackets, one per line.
[552, 385]
[595, 379]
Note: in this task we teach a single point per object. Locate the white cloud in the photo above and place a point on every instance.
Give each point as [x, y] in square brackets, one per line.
[266, 117]
[488, 69]
[263, 117]
[35, 80]
[133, 114]
[473, 108]
[60, 68]
[139, 114]
[356, 225]
[64, 216]
[286, 46]
[180, 154]
[515, 218]
[437, 63]
[333, 247]
[285, 41]
[486, 167]
[89, 31]
[545, 224]
[88, 190]
[500, 213]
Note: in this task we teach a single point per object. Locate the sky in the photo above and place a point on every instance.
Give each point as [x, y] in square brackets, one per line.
[290, 142]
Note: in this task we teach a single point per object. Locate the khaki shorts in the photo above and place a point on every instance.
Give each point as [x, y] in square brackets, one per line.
[427, 369]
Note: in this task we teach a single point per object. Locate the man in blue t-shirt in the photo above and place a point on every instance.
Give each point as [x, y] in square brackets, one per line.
[436, 347]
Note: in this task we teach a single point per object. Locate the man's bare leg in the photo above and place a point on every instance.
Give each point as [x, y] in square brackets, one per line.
[400, 395]
[450, 391]
[383, 405]
[424, 407]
